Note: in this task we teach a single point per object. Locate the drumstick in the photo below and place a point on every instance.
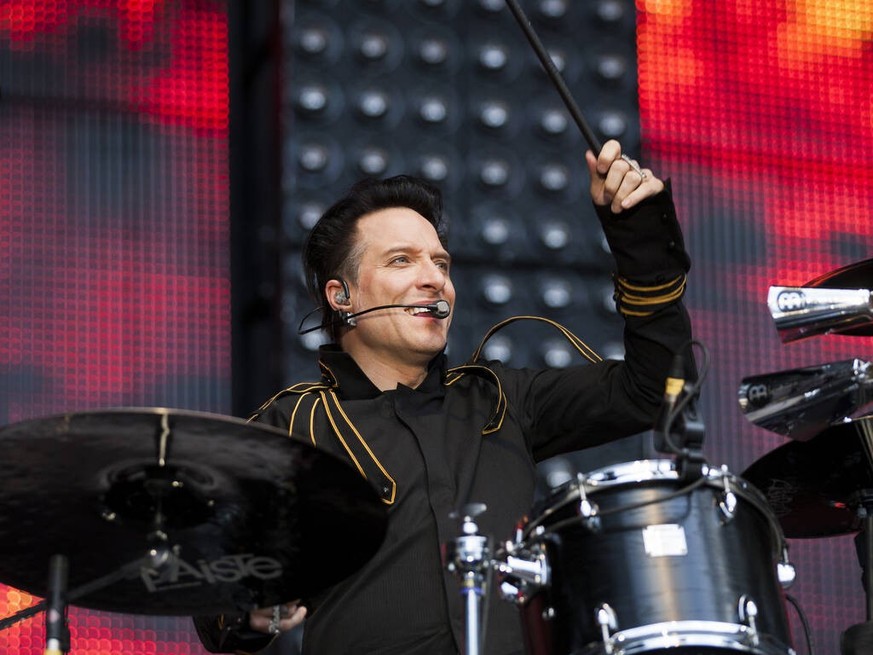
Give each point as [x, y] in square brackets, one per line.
[554, 75]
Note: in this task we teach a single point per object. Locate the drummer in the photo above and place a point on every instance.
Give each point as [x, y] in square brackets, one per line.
[433, 438]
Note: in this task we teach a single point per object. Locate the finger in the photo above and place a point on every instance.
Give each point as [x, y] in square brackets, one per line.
[595, 179]
[291, 621]
[295, 619]
[289, 616]
[259, 622]
[591, 161]
[609, 153]
[631, 182]
[650, 187]
[616, 178]
[634, 164]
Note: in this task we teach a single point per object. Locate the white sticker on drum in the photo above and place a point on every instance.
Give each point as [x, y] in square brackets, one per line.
[665, 540]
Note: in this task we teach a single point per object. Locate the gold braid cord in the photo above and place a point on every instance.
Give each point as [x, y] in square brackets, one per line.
[322, 398]
[636, 300]
[499, 412]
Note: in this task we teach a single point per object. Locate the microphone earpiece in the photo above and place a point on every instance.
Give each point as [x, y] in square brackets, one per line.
[342, 296]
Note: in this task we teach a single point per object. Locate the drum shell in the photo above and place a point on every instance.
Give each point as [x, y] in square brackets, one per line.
[726, 559]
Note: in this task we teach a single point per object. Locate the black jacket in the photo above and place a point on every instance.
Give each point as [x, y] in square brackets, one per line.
[432, 449]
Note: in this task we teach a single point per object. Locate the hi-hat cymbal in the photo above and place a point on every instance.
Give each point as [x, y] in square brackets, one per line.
[815, 488]
[225, 515]
[854, 276]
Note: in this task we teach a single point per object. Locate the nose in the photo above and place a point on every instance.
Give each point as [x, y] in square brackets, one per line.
[433, 276]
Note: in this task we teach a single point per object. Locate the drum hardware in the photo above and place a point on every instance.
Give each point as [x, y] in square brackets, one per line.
[588, 510]
[747, 611]
[728, 502]
[858, 638]
[57, 632]
[469, 558]
[172, 512]
[523, 571]
[59, 598]
[608, 622]
[785, 571]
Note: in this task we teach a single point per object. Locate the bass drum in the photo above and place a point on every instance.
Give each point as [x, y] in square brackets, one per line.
[633, 559]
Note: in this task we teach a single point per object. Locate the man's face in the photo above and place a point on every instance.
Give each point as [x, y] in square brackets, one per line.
[402, 263]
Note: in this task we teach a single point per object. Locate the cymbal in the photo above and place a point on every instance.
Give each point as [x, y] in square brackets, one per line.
[207, 513]
[854, 276]
[816, 487]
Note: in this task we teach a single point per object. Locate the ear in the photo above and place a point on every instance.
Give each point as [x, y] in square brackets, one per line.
[335, 294]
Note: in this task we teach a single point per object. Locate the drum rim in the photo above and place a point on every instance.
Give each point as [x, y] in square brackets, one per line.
[648, 470]
[675, 634]
[651, 470]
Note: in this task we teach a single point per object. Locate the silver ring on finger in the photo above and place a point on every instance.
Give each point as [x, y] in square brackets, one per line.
[273, 627]
[634, 167]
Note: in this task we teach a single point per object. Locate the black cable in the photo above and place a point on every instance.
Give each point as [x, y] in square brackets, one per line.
[690, 394]
[803, 620]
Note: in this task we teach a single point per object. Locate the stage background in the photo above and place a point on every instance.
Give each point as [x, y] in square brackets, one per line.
[114, 221]
[114, 237]
[762, 114]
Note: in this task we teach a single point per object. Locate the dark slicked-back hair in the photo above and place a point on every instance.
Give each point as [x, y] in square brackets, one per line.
[331, 249]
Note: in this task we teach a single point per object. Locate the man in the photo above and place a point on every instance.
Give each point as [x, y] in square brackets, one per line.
[431, 439]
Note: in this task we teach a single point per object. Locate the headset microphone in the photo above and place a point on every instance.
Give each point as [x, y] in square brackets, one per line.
[438, 309]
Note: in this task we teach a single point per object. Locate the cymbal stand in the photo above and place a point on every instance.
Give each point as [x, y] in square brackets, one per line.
[57, 631]
[469, 557]
[858, 639]
[59, 598]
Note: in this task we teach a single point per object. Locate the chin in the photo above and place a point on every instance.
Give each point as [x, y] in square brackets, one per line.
[433, 349]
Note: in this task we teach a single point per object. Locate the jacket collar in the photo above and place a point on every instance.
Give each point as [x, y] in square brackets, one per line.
[340, 371]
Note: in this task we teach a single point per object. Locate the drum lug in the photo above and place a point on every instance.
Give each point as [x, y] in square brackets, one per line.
[785, 571]
[608, 622]
[748, 612]
[728, 502]
[589, 511]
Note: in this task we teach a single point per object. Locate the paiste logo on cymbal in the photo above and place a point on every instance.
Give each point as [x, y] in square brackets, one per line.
[178, 573]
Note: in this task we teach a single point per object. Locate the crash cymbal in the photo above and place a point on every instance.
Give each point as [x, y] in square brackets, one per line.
[226, 515]
[816, 487]
[854, 276]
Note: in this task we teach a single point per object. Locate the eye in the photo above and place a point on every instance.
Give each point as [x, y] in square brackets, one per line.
[444, 265]
[400, 259]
